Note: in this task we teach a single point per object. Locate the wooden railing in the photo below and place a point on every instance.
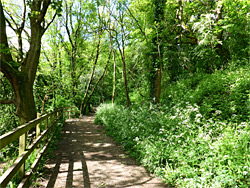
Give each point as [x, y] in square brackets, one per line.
[70, 111]
[45, 129]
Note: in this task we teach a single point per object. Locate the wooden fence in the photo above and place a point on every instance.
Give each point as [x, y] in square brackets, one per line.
[45, 129]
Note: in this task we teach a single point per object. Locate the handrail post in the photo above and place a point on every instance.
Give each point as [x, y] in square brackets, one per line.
[64, 113]
[38, 127]
[51, 119]
[36, 147]
[45, 127]
[54, 117]
[22, 148]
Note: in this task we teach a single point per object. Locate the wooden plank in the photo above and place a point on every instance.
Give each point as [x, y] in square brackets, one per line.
[38, 129]
[11, 171]
[21, 132]
[8, 174]
[22, 148]
[16, 133]
[34, 166]
[51, 119]
[45, 127]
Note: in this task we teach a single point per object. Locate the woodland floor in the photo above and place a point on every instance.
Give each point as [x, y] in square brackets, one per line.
[86, 157]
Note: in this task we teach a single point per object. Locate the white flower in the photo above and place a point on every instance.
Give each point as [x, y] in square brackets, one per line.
[136, 139]
[218, 112]
[173, 117]
[245, 173]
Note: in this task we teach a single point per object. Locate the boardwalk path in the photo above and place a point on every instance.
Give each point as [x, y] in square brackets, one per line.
[86, 157]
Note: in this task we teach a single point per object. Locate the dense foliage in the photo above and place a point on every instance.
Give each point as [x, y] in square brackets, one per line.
[199, 138]
[181, 68]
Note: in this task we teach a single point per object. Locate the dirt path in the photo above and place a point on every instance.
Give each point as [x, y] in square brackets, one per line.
[86, 157]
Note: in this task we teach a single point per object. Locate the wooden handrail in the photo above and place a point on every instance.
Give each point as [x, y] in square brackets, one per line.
[69, 111]
[50, 121]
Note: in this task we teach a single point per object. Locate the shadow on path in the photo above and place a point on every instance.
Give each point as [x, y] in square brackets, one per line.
[86, 157]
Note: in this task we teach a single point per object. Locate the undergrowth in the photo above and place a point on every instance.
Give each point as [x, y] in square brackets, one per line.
[199, 137]
[8, 160]
[41, 171]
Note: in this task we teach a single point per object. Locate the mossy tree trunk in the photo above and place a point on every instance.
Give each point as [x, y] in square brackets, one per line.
[157, 48]
[21, 73]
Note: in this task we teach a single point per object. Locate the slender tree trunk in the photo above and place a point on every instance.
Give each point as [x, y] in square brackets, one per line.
[114, 77]
[122, 53]
[92, 74]
[96, 84]
[125, 80]
[60, 65]
[73, 77]
[114, 65]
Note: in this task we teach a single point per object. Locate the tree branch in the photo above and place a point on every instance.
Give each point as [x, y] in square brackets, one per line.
[7, 70]
[24, 16]
[7, 101]
[5, 55]
[41, 16]
[137, 22]
[10, 25]
[13, 20]
[67, 26]
[49, 23]
[96, 84]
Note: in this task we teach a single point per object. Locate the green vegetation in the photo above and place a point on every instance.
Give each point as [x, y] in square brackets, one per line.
[199, 136]
[175, 72]
[36, 147]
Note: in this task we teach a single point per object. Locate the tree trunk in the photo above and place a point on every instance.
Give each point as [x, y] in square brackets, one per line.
[73, 77]
[220, 50]
[114, 77]
[156, 66]
[125, 81]
[92, 74]
[114, 67]
[22, 76]
[25, 104]
[122, 53]
[96, 84]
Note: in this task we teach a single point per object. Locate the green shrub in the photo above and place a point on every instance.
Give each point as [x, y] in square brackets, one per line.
[180, 145]
[224, 95]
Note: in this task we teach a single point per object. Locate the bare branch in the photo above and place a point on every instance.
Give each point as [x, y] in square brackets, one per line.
[13, 20]
[49, 23]
[27, 34]
[67, 27]
[10, 25]
[23, 17]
